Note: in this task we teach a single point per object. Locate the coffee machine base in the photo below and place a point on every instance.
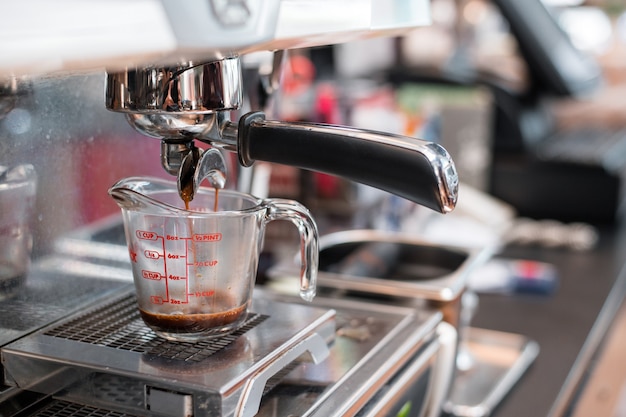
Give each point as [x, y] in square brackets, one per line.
[333, 357]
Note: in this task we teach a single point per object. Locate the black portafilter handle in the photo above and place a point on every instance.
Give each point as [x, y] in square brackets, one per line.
[415, 169]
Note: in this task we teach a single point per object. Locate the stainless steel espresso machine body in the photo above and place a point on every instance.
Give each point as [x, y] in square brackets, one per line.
[72, 340]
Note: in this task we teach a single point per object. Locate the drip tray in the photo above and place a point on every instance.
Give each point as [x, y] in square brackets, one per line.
[57, 408]
[107, 357]
[491, 363]
[119, 326]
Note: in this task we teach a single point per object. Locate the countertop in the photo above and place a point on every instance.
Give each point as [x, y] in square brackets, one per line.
[559, 323]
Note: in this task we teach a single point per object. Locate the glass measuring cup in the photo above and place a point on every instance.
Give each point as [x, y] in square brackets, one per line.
[194, 270]
[17, 198]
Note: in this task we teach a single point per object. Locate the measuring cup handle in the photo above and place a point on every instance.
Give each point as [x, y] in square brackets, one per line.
[296, 213]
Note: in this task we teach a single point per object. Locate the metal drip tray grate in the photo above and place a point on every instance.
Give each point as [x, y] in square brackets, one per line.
[118, 325]
[68, 409]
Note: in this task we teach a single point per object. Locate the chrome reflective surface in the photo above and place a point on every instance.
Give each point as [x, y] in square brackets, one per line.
[187, 88]
[174, 127]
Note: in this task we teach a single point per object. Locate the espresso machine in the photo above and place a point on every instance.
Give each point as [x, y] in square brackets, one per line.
[72, 341]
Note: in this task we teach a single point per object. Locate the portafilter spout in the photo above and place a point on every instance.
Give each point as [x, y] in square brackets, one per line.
[190, 102]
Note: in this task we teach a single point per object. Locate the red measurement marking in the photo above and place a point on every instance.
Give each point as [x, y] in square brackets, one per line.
[155, 299]
[145, 235]
[209, 293]
[176, 277]
[198, 264]
[151, 275]
[208, 237]
[151, 254]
